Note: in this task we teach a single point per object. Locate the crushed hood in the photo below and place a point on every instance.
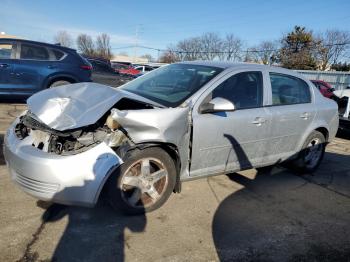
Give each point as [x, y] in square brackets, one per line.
[77, 105]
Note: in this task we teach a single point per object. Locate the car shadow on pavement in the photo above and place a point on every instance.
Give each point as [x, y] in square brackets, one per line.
[92, 234]
[281, 216]
[2, 160]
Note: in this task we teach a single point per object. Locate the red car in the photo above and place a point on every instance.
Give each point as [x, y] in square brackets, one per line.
[325, 88]
[125, 69]
[129, 71]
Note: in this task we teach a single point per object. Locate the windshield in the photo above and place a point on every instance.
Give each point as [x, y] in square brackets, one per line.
[173, 84]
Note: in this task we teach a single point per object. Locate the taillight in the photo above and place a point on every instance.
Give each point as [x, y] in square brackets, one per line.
[86, 67]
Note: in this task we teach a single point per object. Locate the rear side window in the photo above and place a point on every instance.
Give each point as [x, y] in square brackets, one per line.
[288, 90]
[5, 51]
[57, 54]
[34, 52]
[244, 90]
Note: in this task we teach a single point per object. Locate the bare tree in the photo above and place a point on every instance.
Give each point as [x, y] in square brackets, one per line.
[63, 38]
[189, 49]
[264, 52]
[85, 45]
[169, 57]
[103, 47]
[232, 48]
[210, 46]
[333, 44]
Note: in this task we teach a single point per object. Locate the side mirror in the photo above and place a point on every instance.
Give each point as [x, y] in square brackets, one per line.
[218, 104]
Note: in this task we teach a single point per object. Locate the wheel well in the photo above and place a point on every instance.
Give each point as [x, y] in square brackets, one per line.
[323, 131]
[61, 78]
[169, 148]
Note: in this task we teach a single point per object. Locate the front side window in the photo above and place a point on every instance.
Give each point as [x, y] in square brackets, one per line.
[5, 51]
[171, 85]
[34, 52]
[288, 90]
[244, 90]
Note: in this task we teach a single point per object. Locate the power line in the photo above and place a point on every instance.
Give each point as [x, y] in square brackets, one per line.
[218, 52]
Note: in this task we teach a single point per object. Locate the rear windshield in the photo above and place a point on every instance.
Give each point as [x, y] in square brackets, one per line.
[173, 84]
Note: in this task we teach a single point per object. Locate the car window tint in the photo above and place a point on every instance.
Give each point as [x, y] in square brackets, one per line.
[244, 90]
[34, 52]
[5, 51]
[288, 90]
[58, 54]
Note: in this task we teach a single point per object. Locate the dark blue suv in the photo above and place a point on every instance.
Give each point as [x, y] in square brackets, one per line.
[27, 67]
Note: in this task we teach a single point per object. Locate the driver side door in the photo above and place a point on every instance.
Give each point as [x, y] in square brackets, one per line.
[231, 140]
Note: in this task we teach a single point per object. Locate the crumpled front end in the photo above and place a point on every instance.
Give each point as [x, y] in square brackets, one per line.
[55, 162]
[70, 179]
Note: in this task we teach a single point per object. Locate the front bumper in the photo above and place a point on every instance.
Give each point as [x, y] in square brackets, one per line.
[72, 180]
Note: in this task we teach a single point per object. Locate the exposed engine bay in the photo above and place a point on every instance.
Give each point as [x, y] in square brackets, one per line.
[75, 141]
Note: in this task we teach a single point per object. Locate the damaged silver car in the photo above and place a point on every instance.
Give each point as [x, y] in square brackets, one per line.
[179, 122]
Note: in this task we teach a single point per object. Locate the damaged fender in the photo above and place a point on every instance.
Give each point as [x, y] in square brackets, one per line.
[157, 125]
[168, 125]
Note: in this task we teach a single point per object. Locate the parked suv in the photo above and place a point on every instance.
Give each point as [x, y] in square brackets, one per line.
[176, 123]
[27, 67]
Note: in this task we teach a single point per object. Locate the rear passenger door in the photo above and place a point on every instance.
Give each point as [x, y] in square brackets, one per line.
[292, 111]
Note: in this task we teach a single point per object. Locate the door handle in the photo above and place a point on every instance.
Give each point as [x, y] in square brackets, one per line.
[4, 65]
[305, 115]
[51, 67]
[259, 121]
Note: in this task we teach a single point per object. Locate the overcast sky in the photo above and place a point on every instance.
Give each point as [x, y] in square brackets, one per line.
[160, 23]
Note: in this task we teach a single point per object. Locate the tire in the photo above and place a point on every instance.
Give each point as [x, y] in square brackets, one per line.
[59, 83]
[311, 155]
[135, 191]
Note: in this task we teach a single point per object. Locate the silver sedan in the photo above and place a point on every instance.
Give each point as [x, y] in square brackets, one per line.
[177, 123]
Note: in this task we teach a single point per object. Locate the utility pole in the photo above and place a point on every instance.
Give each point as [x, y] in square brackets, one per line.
[136, 43]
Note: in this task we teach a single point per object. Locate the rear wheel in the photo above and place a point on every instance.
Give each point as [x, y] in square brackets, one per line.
[311, 154]
[143, 182]
[59, 83]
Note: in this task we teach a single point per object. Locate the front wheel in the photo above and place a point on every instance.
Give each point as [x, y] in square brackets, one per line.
[143, 182]
[312, 153]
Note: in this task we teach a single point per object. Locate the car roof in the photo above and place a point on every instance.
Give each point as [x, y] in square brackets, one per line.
[37, 43]
[225, 65]
[250, 66]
